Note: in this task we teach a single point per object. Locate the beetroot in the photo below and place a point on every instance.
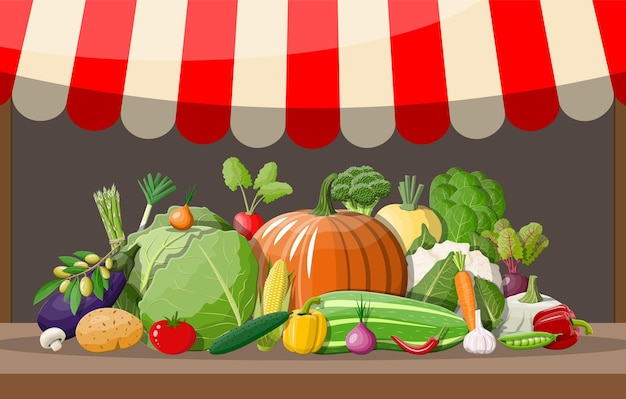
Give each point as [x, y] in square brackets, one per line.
[514, 283]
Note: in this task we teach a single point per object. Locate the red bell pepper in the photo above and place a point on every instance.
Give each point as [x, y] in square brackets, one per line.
[560, 319]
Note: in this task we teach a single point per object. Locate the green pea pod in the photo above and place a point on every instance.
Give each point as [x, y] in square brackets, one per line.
[527, 340]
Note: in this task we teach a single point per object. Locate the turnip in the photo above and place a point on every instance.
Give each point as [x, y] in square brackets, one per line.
[361, 340]
[515, 248]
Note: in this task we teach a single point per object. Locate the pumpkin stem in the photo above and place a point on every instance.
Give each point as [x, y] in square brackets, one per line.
[325, 204]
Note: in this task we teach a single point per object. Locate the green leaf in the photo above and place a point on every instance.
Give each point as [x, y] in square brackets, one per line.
[273, 191]
[82, 254]
[68, 291]
[454, 170]
[509, 244]
[75, 298]
[482, 244]
[483, 222]
[489, 213]
[529, 235]
[98, 288]
[501, 224]
[437, 285]
[443, 178]
[156, 189]
[490, 301]
[440, 193]
[267, 342]
[492, 237]
[542, 243]
[236, 174]
[69, 260]
[425, 240]
[471, 196]
[463, 179]
[495, 192]
[128, 300]
[74, 269]
[443, 206]
[460, 221]
[497, 202]
[479, 175]
[105, 284]
[267, 174]
[46, 289]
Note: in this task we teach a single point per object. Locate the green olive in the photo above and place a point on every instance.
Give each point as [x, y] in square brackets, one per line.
[105, 272]
[86, 286]
[81, 263]
[108, 263]
[64, 285]
[58, 271]
[92, 259]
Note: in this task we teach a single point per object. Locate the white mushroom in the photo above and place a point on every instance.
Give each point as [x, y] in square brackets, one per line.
[52, 338]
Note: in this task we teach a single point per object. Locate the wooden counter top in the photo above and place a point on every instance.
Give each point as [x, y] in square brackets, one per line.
[604, 352]
[601, 354]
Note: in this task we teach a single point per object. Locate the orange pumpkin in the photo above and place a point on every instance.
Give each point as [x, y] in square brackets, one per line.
[329, 250]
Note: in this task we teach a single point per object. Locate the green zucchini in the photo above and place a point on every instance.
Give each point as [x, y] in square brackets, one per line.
[248, 332]
[412, 320]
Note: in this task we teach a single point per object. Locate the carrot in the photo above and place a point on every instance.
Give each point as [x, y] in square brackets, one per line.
[181, 218]
[465, 291]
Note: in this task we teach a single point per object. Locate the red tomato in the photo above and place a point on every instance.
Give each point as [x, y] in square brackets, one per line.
[247, 224]
[172, 336]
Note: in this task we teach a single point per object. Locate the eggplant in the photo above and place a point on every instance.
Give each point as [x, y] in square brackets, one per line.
[56, 311]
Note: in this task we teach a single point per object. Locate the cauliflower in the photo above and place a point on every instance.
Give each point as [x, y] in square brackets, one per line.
[476, 263]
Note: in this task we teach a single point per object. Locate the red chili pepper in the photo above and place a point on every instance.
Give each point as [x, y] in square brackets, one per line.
[560, 319]
[423, 349]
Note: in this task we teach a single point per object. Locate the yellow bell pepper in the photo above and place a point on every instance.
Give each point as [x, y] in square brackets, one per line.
[305, 330]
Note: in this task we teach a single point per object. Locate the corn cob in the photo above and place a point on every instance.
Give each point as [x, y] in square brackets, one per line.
[273, 299]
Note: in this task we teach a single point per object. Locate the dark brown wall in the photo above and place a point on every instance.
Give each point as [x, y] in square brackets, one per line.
[5, 212]
[620, 211]
[562, 177]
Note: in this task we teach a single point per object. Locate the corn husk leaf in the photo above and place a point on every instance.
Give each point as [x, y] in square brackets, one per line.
[267, 342]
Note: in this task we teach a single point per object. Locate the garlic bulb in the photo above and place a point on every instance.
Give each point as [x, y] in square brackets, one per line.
[479, 341]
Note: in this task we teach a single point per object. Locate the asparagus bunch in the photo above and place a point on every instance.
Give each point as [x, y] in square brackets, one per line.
[108, 203]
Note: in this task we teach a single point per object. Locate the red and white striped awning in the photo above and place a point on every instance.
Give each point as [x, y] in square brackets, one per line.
[312, 69]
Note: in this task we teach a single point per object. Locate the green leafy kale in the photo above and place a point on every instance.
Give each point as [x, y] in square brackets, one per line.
[467, 204]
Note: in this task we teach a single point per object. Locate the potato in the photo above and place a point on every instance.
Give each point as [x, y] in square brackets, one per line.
[108, 329]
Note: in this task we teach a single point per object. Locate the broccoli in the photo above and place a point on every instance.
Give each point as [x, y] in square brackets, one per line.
[360, 188]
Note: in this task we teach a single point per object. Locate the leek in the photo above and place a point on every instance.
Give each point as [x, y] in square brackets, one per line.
[154, 190]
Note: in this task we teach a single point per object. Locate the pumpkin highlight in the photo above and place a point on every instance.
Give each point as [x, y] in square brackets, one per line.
[329, 250]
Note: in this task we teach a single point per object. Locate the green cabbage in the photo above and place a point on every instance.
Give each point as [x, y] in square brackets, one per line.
[207, 274]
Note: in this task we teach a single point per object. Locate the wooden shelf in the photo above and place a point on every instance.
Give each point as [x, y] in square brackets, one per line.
[598, 357]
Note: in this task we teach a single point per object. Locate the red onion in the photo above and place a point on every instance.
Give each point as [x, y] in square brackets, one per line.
[361, 340]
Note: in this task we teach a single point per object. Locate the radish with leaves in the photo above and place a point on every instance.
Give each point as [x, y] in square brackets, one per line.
[361, 340]
[515, 248]
[236, 176]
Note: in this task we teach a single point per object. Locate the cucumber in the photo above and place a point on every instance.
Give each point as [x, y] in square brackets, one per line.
[248, 332]
[411, 320]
